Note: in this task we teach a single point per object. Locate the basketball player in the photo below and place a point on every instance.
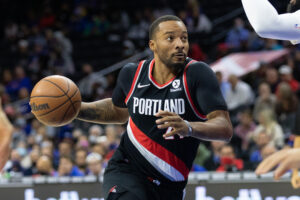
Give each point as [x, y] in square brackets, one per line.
[268, 23]
[6, 130]
[171, 102]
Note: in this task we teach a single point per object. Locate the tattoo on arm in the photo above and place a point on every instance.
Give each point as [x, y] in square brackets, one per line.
[102, 111]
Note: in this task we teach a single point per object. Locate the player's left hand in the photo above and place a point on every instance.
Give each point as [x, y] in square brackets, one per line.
[170, 119]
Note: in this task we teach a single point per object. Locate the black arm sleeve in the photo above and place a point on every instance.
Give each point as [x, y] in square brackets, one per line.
[123, 86]
[205, 88]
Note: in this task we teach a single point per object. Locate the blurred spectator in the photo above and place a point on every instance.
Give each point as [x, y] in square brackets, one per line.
[213, 162]
[224, 85]
[269, 125]
[286, 75]
[261, 140]
[44, 167]
[272, 78]
[14, 164]
[80, 160]
[238, 36]
[67, 168]
[31, 168]
[286, 107]
[89, 79]
[268, 150]
[246, 125]
[94, 163]
[95, 131]
[65, 149]
[271, 44]
[228, 161]
[240, 95]
[199, 22]
[265, 100]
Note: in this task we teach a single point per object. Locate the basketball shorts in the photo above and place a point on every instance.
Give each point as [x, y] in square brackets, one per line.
[123, 182]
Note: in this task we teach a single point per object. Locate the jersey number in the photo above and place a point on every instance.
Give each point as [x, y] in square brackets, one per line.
[172, 137]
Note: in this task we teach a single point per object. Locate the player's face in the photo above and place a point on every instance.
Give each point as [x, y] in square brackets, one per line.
[170, 44]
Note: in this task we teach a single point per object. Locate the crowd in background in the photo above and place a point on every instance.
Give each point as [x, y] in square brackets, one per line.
[263, 104]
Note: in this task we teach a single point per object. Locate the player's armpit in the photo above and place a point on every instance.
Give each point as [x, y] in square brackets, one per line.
[104, 112]
[217, 127]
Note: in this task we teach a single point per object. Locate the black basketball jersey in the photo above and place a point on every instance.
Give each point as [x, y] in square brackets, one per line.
[192, 94]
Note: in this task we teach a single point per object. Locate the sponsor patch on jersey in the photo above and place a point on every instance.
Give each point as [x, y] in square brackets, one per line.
[176, 86]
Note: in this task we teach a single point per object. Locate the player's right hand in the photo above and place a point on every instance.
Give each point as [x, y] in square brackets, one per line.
[285, 159]
[6, 130]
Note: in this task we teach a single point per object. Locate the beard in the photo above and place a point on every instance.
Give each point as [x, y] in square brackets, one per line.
[293, 7]
[175, 67]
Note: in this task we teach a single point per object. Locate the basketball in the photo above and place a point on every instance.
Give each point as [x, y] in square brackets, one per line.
[55, 100]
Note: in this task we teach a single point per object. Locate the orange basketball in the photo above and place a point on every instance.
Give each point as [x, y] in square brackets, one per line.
[55, 100]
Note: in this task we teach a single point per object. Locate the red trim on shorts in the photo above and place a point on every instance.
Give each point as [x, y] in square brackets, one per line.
[202, 116]
[158, 150]
[134, 81]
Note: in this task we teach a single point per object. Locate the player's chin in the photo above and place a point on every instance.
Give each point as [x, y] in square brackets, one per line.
[179, 59]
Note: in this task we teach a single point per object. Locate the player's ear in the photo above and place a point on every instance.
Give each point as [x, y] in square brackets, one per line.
[152, 45]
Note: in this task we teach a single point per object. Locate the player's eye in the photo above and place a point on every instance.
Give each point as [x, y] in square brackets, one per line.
[170, 38]
[184, 38]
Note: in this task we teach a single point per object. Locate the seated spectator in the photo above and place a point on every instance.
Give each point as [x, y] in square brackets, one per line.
[31, 168]
[272, 79]
[94, 163]
[228, 160]
[237, 36]
[267, 151]
[262, 140]
[67, 168]
[240, 94]
[246, 125]
[286, 75]
[213, 161]
[80, 157]
[265, 100]
[224, 85]
[95, 131]
[44, 167]
[286, 107]
[268, 123]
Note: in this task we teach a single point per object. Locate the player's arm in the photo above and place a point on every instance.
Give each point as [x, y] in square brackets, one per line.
[217, 127]
[268, 23]
[285, 159]
[206, 94]
[111, 110]
[6, 130]
[103, 112]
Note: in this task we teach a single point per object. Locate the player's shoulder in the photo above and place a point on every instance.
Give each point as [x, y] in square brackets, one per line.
[196, 67]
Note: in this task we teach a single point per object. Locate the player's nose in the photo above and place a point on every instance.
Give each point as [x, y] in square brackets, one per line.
[179, 44]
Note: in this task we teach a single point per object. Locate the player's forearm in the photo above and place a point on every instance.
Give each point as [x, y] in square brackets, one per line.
[268, 23]
[216, 128]
[5, 146]
[103, 112]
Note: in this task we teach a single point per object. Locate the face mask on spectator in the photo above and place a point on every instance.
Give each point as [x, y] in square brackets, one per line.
[22, 151]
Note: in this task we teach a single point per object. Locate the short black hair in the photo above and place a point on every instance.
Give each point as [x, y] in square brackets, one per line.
[293, 7]
[154, 25]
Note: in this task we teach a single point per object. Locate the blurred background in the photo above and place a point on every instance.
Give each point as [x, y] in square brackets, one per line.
[90, 40]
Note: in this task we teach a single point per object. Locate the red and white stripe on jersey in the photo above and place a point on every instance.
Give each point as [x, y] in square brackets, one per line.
[133, 84]
[151, 78]
[188, 95]
[159, 157]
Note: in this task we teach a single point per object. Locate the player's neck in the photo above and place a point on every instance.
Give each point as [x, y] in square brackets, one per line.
[161, 73]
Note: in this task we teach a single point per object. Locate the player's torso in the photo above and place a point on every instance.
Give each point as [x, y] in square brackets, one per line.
[144, 100]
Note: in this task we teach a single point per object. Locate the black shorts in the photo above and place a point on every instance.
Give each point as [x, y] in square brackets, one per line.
[122, 181]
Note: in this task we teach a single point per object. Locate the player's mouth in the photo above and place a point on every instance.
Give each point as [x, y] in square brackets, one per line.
[179, 55]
